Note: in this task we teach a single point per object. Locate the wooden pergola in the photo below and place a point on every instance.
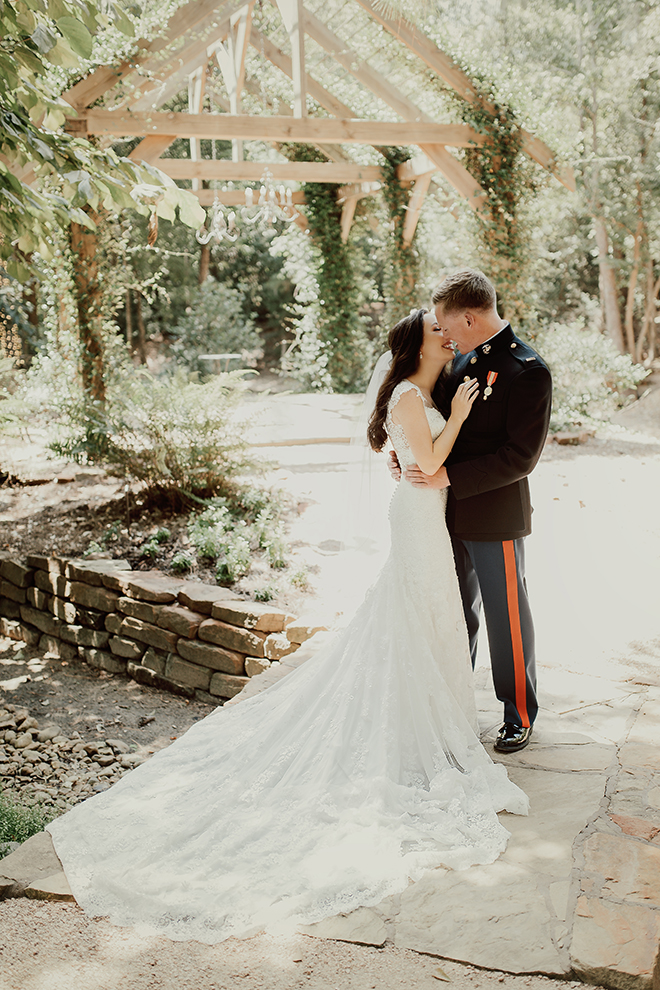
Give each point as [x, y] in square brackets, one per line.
[291, 58]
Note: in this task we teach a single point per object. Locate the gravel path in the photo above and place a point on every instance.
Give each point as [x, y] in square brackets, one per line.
[55, 947]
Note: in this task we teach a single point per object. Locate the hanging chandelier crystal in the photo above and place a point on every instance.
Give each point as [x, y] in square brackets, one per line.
[273, 204]
[220, 227]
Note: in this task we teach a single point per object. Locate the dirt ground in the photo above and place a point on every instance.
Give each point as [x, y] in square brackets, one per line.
[49, 946]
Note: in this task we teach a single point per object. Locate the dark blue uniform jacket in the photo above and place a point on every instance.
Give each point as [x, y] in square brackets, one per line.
[500, 441]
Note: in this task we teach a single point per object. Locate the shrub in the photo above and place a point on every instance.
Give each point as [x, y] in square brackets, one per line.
[215, 323]
[182, 563]
[590, 377]
[173, 435]
[231, 531]
[18, 822]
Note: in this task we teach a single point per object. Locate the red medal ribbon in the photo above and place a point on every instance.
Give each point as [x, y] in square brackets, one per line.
[492, 375]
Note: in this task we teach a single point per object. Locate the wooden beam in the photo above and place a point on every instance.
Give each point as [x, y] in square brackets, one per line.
[420, 188]
[451, 168]
[379, 85]
[308, 130]
[456, 174]
[172, 78]
[358, 190]
[231, 60]
[225, 171]
[236, 197]
[151, 148]
[417, 42]
[425, 49]
[293, 16]
[347, 214]
[414, 167]
[186, 19]
[283, 62]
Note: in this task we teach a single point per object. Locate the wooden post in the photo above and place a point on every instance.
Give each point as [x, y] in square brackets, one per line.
[84, 245]
[419, 190]
[196, 87]
[293, 16]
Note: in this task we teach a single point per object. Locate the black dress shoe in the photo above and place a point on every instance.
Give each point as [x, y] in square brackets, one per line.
[512, 737]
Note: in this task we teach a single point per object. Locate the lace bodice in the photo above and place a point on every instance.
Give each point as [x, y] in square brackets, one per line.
[396, 432]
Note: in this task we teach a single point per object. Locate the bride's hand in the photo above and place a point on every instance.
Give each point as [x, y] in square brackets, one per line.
[393, 466]
[464, 399]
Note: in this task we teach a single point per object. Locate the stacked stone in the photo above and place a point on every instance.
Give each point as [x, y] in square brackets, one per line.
[41, 757]
[193, 639]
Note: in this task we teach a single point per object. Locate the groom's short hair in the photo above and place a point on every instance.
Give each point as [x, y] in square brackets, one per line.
[467, 288]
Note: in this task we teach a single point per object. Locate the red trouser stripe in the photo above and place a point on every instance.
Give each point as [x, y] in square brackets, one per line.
[520, 676]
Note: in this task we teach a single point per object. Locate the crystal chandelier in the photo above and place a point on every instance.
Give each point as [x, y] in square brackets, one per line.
[273, 204]
[220, 227]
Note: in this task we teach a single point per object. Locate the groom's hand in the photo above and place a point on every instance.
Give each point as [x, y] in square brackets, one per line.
[394, 467]
[418, 479]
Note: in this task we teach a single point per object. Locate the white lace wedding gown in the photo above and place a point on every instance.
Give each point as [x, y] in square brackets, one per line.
[352, 775]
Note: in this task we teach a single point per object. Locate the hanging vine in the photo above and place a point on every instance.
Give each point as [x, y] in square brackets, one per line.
[403, 271]
[507, 178]
[338, 325]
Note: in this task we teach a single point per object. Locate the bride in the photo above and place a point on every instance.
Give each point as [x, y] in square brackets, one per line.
[346, 779]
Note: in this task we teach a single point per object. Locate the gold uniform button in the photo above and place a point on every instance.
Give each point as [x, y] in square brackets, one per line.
[467, 378]
[514, 344]
[473, 360]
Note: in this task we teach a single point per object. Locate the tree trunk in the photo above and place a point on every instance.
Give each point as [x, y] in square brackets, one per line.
[142, 337]
[129, 321]
[608, 292]
[648, 324]
[632, 285]
[84, 245]
[204, 262]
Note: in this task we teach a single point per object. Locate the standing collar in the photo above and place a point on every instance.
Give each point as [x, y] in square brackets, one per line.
[500, 340]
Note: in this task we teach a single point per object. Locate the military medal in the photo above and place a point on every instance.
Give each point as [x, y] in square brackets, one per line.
[490, 381]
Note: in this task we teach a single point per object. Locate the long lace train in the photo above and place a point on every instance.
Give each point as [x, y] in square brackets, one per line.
[346, 779]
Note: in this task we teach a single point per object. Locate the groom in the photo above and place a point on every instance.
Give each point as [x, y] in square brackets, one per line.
[488, 508]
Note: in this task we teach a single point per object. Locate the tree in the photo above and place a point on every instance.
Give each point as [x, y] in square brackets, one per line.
[37, 37]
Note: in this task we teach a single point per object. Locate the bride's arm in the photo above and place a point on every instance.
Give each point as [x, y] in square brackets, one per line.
[409, 413]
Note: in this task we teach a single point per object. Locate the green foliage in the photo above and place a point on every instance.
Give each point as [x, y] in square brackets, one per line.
[506, 177]
[341, 340]
[18, 822]
[590, 377]
[251, 265]
[36, 37]
[169, 434]
[401, 287]
[215, 323]
[182, 562]
[232, 530]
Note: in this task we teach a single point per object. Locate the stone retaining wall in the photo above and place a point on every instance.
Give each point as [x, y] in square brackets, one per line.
[194, 639]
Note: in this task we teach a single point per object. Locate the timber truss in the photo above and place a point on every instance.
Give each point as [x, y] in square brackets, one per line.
[327, 73]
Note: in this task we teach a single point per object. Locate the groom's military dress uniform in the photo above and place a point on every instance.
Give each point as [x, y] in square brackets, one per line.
[489, 510]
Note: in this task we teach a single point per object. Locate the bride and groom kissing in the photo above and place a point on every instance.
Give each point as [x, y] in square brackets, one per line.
[362, 769]
[488, 507]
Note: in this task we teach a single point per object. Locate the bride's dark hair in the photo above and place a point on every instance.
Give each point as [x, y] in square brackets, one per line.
[405, 341]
